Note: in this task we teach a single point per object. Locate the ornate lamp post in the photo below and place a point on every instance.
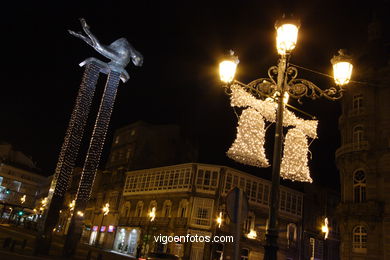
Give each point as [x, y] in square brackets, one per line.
[281, 81]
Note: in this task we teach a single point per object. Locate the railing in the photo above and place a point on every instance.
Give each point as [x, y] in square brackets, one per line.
[352, 147]
[143, 221]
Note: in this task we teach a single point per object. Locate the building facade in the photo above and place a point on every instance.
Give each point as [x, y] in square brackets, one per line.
[319, 212]
[135, 146]
[21, 184]
[363, 158]
[187, 199]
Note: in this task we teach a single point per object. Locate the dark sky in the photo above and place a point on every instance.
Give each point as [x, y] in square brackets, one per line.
[182, 43]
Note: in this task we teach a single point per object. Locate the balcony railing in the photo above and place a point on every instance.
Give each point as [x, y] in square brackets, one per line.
[352, 147]
[143, 221]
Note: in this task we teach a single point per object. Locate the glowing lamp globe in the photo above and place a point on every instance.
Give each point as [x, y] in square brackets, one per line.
[342, 68]
[227, 68]
[286, 36]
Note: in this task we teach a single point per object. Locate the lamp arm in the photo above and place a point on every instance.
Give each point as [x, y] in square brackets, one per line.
[298, 88]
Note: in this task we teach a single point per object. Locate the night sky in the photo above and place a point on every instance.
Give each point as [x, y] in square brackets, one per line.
[182, 43]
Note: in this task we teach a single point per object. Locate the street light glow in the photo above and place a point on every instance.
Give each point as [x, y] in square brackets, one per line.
[286, 39]
[106, 209]
[152, 214]
[219, 220]
[23, 199]
[325, 228]
[227, 70]
[342, 68]
[342, 72]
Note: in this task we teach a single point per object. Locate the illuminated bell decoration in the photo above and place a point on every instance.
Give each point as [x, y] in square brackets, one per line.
[248, 148]
[295, 161]
[287, 35]
[342, 68]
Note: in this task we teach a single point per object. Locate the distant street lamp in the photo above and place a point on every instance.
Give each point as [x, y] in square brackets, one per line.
[282, 79]
[325, 228]
[23, 199]
[105, 211]
[152, 217]
[219, 220]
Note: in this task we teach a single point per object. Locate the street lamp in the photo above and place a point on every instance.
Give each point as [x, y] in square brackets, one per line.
[23, 199]
[282, 80]
[325, 228]
[105, 211]
[219, 219]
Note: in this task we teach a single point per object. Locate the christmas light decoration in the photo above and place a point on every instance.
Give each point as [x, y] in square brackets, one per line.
[295, 162]
[97, 141]
[248, 148]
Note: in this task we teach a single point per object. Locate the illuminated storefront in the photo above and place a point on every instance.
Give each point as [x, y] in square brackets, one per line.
[126, 240]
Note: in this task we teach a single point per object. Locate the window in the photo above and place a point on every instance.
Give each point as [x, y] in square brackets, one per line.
[161, 179]
[359, 244]
[206, 179]
[182, 213]
[359, 186]
[126, 209]
[139, 208]
[358, 136]
[201, 214]
[357, 103]
[244, 254]
[152, 204]
[291, 234]
[167, 208]
[249, 223]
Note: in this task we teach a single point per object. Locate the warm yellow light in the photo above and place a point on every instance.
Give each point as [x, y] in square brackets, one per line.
[80, 213]
[219, 220]
[152, 214]
[286, 97]
[325, 228]
[342, 68]
[286, 39]
[252, 234]
[71, 205]
[44, 202]
[342, 72]
[227, 70]
[23, 199]
[106, 209]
